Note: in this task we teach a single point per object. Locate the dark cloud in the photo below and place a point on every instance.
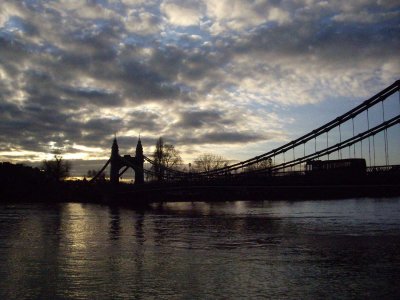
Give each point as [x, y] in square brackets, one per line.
[218, 137]
[93, 96]
[205, 118]
[330, 42]
[33, 127]
[230, 137]
[173, 61]
[142, 120]
[141, 82]
[16, 23]
[102, 126]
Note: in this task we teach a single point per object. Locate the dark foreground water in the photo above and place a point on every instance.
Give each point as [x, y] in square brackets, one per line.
[342, 249]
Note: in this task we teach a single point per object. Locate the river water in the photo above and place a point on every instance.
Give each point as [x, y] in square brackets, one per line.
[339, 249]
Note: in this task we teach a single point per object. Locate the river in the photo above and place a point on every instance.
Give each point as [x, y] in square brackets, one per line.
[337, 249]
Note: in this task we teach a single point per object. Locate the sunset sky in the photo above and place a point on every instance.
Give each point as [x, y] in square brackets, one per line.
[229, 77]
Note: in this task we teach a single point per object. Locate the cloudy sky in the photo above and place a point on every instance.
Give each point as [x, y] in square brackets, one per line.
[231, 77]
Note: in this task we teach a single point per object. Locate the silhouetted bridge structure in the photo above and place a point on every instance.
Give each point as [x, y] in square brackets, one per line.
[360, 146]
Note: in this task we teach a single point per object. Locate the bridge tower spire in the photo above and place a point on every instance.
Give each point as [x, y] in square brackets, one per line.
[115, 162]
[139, 157]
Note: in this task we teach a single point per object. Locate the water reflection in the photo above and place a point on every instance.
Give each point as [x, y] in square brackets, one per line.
[197, 250]
[114, 223]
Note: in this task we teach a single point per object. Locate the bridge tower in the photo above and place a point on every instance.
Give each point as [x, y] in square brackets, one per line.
[115, 163]
[139, 159]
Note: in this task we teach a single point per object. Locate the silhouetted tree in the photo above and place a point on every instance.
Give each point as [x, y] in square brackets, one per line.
[11, 174]
[261, 165]
[57, 169]
[207, 162]
[165, 155]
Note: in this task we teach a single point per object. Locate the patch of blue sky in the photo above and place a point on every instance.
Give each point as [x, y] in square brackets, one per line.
[104, 3]
[13, 38]
[98, 26]
[94, 89]
[262, 104]
[266, 25]
[49, 48]
[17, 24]
[36, 5]
[311, 116]
[186, 36]
[178, 41]
[92, 29]
[44, 47]
[376, 8]
[183, 87]
[6, 35]
[139, 40]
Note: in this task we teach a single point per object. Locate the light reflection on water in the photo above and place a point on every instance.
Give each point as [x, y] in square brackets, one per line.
[306, 249]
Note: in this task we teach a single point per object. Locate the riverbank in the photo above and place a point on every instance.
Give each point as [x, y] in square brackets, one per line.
[129, 195]
[25, 184]
[252, 193]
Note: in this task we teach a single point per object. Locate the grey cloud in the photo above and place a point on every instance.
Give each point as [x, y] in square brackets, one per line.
[8, 111]
[230, 137]
[141, 121]
[327, 42]
[218, 137]
[205, 118]
[93, 96]
[103, 126]
[12, 49]
[18, 24]
[141, 82]
[34, 126]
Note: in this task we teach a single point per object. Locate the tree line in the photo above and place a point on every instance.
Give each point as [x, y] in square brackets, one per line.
[166, 155]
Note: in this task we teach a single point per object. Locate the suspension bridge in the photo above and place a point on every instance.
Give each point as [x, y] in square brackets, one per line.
[361, 144]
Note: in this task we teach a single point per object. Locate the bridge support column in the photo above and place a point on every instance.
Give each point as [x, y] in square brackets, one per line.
[139, 161]
[115, 163]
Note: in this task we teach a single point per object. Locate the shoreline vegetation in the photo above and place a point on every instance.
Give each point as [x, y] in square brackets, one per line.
[19, 183]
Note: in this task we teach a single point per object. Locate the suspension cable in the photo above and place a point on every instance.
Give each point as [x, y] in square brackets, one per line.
[354, 147]
[373, 142]
[386, 147]
[101, 171]
[369, 142]
[359, 138]
[315, 144]
[327, 142]
[385, 136]
[340, 140]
